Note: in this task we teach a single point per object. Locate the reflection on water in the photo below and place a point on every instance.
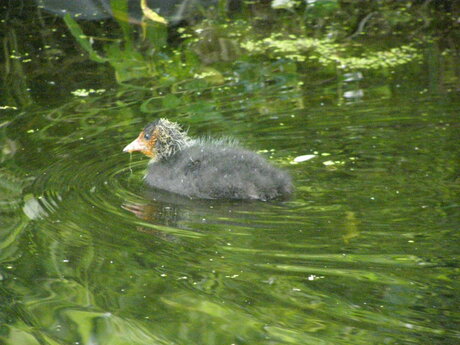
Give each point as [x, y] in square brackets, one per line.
[365, 252]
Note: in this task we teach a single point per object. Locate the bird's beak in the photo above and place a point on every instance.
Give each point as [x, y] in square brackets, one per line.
[141, 145]
[136, 145]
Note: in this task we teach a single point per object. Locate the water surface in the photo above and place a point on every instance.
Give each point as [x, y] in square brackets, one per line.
[365, 252]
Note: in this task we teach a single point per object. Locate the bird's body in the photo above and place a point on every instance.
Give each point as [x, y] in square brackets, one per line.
[206, 169]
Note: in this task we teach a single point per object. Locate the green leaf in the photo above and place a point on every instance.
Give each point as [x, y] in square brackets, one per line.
[121, 14]
[82, 39]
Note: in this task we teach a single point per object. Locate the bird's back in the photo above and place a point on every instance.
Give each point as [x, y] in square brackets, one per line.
[214, 171]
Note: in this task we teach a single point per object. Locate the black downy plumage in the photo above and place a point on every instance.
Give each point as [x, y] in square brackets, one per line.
[206, 169]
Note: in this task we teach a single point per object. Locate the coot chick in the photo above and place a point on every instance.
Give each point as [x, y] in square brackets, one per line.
[206, 169]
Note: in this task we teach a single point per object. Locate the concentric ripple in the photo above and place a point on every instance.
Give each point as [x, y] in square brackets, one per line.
[357, 254]
[86, 180]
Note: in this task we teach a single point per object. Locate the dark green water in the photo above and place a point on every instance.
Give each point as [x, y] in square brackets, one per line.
[365, 252]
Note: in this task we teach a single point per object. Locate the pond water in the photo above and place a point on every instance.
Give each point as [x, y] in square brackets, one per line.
[365, 251]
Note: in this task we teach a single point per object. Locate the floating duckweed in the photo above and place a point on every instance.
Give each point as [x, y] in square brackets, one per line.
[86, 92]
[327, 52]
[330, 163]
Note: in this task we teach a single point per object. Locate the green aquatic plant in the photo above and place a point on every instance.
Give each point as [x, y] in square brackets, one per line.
[326, 52]
[219, 40]
[127, 62]
[134, 55]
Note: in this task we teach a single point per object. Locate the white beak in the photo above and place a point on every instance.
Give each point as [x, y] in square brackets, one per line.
[135, 145]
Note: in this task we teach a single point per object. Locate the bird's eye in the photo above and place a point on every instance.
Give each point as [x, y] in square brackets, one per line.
[147, 136]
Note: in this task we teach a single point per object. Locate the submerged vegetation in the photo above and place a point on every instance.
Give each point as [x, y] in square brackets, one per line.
[227, 37]
[224, 44]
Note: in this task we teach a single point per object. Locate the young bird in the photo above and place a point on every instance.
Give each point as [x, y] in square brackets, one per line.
[206, 169]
